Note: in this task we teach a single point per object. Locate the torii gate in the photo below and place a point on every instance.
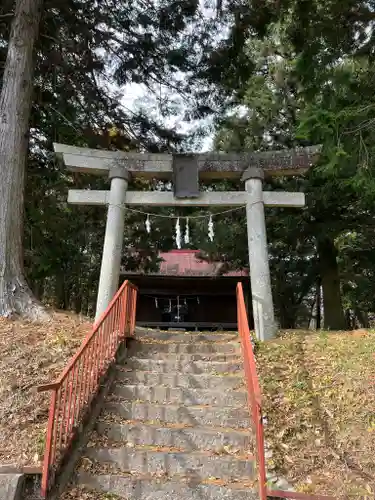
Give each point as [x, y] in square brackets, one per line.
[185, 170]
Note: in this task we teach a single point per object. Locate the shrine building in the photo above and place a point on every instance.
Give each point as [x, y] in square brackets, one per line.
[188, 293]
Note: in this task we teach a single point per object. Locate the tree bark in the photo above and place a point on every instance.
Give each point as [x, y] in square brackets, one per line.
[334, 318]
[15, 108]
[283, 298]
[362, 318]
[287, 316]
[318, 304]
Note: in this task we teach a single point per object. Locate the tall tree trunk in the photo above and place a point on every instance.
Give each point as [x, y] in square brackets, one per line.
[15, 107]
[283, 299]
[334, 318]
[59, 292]
[349, 319]
[362, 318]
[318, 304]
[287, 316]
[38, 288]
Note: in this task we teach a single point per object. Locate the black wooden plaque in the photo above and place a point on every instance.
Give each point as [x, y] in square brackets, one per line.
[185, 176]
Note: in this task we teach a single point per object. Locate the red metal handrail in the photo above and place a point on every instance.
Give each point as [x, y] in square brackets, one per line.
[253, 391]
[255, 406]
[76, 387]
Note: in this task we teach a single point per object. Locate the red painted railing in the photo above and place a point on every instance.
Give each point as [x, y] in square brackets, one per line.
[74, 391]
[255, 406]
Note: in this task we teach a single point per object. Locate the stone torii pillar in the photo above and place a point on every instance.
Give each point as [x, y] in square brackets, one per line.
[112, 248]
[263, 312]
[185, 170]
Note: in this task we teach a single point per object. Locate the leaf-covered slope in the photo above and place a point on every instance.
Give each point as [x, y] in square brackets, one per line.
[32, 354]
[319, 397]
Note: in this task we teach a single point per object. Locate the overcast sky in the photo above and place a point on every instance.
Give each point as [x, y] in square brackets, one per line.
[133, 95]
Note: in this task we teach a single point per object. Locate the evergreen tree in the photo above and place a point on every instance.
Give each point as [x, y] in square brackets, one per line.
[82, 50]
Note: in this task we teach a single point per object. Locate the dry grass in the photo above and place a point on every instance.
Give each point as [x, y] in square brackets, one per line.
[319, 397]
[31, 354]
[80, 493]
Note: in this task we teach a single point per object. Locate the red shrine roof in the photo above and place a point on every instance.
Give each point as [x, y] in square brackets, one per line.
[187, 263]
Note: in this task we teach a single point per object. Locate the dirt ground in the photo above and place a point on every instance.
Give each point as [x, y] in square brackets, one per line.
[319, 400]
[32, 354]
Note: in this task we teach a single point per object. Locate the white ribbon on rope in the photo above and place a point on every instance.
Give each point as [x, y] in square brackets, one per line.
[178, 234]
[211, 232]
[187, 232]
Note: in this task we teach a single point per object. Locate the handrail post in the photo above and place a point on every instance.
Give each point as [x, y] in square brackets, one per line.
[261, 454]
[124, 307]
[49, 444]
[134, 295]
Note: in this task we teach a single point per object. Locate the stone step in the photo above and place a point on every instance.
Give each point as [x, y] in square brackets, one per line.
[148, 348]
[11, 486]
[188, 415]
[153, 335]
[181, 395]
[174, 379]
[184, 358]
[132, 488]
[160, 366]
[199, 465]
[188, 439]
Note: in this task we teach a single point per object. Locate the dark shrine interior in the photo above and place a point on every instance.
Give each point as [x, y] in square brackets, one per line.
[188, 303]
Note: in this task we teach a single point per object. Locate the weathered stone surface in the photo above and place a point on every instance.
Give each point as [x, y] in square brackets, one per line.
[188, 358]
[11, 486]
[185, 396]
[145, 349]
[186, 337]
[199, 465]
[174, 379]
[161, 366]
[262, 302]
[131, 488]
[210, 165]
[188, 439]
[253, 173]
[185, 176]
[205, 199]
[187, 415]
[166, 434]
[112, 248]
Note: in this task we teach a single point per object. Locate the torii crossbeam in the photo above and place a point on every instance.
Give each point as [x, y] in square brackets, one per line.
[185, 170]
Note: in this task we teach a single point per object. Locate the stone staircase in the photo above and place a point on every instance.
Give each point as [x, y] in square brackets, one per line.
[175, 425]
